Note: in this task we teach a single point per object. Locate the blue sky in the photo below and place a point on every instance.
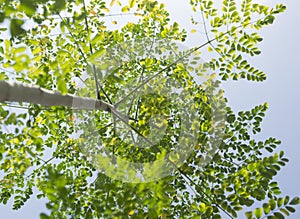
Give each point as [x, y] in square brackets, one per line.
[280, 59]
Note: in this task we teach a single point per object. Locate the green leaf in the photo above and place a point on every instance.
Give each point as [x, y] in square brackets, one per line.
[231, 118]
[44, 216]
[39, 196]
[286, 200]
[278, 215]
[89, 215]
[272, 204]
[62, 86]
[59, 5]
[29, 7]
[60, 182]
[16, 28]
[280, 202]
[258, 212]
[266, 208]
[284, 211]
[295, 201]
[290, 209]
[248, 215]
[216, 216]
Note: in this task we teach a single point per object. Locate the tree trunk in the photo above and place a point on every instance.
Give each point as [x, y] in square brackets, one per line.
[31, 94]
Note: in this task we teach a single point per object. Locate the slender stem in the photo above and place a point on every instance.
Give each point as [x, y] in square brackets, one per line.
[40, 167]
[91, 48]
[94, 68]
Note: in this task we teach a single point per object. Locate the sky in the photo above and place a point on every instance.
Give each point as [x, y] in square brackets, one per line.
[280, 59]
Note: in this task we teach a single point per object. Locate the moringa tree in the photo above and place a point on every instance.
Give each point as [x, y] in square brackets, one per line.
[127, 122]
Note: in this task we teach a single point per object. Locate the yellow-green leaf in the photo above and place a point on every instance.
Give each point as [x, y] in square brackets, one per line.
[112, 3]
[125, 9]
[258, 212]
[132, 3]
[130, 213]
[97, 54]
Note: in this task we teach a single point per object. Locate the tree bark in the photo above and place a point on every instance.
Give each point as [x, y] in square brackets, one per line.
[16, 92]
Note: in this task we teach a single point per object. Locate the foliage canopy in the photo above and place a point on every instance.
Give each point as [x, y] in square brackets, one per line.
[56, 44]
